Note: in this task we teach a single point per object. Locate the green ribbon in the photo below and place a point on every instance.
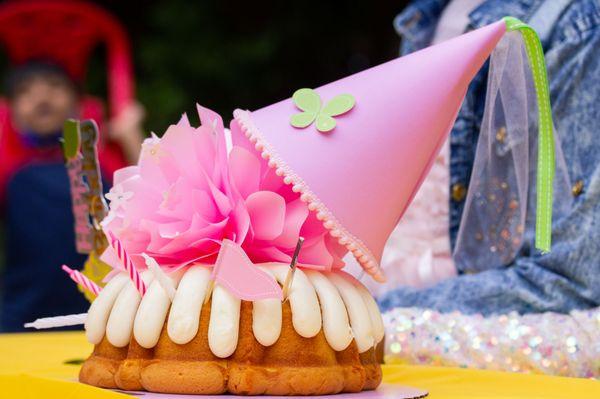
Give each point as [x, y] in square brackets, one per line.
[545, 161]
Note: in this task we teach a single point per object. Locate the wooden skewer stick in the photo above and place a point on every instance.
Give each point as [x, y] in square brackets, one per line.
[290, 276]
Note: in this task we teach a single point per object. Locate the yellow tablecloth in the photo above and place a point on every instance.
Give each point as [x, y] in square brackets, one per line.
[33, 366]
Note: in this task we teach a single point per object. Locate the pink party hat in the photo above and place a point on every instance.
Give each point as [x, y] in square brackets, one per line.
[359, 160]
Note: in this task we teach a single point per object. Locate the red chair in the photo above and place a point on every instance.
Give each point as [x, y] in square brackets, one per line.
[65, 32]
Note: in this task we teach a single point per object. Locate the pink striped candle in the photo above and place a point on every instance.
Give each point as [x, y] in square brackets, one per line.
[134, 275]
[82, 280]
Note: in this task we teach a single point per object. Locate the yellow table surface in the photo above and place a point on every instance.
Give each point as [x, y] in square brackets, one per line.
[33, 366]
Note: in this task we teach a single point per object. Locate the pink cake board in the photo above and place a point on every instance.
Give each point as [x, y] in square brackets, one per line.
[385, 391]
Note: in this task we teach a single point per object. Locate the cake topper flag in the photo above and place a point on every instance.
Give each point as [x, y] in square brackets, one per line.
[358, 166]
[236, 272]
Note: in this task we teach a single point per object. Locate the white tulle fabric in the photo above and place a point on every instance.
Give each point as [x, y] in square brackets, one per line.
[500, 204]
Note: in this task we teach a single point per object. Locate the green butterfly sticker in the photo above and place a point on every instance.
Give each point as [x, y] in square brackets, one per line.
[309, 102]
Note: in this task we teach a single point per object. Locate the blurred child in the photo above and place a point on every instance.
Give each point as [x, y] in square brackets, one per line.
[35, 199]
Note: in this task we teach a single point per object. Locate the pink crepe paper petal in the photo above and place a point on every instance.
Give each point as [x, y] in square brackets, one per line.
[240, 228]
[267, 214]
[152, 169]
[197, 231]
[316, 253]
[336, 250]
[210, 118]
[124, 173]
[238, 138]
[175, 203]
[113, 221]
[156, 241]
[204, 205]
[234, 271]
[138, 261]
[109, 257]
[311, 226]
[184, 121]
[204, 251]
[181, 141]
[268, 254]
[270, 181]
[172, 230]
[221, 200]
[240, 223]
[145, 197]
[206, 152]
[244, 169]
[134, 239]
[296, 213]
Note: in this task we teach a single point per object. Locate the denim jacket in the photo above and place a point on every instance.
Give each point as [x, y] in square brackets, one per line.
[568, 277]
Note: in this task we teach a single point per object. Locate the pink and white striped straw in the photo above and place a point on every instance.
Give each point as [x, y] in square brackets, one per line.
[82, 280]
[134, 275]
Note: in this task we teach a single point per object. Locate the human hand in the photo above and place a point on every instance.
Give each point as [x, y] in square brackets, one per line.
[127, 125]
[126, 129]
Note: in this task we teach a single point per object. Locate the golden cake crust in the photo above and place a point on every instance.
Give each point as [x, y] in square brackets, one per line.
[294, 365]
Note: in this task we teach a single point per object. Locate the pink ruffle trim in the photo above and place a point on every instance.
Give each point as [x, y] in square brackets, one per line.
[360, 251]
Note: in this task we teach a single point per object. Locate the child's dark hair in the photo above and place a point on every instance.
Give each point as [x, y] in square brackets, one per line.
[22, 74]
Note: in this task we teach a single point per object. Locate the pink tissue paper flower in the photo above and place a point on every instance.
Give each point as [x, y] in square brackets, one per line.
[188, 193]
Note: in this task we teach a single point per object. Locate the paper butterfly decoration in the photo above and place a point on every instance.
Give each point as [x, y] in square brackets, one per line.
[309, 102]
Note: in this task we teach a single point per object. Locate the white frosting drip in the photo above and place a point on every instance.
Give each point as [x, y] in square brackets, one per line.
[306, 314]
[374, 313]
[151, 314]
[357, 311]
[122, 316]
[224, 323]
[336, 326]
[184, 317]
[95, 323]
[343, 307]
[266, 319]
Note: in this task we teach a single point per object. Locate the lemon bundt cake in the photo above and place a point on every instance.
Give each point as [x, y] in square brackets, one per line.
[321, 340]
[203, 298]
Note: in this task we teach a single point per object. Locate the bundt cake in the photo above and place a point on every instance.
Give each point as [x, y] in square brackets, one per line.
[320, 340]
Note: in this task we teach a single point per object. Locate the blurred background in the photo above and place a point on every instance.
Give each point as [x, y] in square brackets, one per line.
[229, 54]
